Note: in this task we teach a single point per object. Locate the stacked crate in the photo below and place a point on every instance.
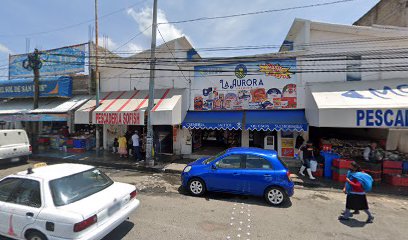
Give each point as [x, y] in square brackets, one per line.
[392, 167]
[340, 168]
[373, 169]
[393, 173]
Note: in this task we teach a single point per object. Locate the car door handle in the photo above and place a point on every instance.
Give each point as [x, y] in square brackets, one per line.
[267, 175]
[30, 214]
[15, 149]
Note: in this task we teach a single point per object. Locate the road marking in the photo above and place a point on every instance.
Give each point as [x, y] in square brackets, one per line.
[69, 156]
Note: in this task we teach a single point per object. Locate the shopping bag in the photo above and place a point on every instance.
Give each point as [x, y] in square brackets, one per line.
[313, 165]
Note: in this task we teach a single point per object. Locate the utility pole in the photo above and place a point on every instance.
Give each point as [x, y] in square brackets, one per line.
[33, 62]
[149, 138]
[97, 132]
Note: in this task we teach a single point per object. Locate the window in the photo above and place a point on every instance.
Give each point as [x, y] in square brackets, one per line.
[214, 157]
[78, 186]
[353, 68]
[231, 161]
[256, 162]
[28, 193]
[7, 186]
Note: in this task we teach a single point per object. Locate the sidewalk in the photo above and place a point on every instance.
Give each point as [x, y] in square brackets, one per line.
[176, 164]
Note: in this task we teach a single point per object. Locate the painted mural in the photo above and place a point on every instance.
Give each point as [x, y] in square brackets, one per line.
[245, 86]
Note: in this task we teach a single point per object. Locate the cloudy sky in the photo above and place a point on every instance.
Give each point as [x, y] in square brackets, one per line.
[50, 24]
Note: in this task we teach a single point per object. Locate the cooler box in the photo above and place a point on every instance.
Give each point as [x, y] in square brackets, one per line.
[392, 171]
[79, 143]
[396, 179]
[405, 167]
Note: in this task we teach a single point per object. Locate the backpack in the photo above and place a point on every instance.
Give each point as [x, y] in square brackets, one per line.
[365, 179]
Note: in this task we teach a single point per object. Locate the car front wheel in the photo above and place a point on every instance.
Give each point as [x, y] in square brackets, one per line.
[196, 187]
[36, 236]
[275, 196]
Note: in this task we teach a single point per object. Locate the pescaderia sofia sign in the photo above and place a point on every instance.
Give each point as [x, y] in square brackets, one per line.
[118, 118]
[382, 118]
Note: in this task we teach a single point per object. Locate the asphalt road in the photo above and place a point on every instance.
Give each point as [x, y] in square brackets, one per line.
[166, 212]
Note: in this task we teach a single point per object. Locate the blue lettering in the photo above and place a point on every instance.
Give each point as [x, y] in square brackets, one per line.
[399, 119]
[255, 84]
[354, 94]
[383, 92]
[222, 84]
[243, 83]
[260, 82]
[360, 116]
[249, 82]
[234, 83]
[388, 122]
[378, 118]
[369, 118]
[402, 87]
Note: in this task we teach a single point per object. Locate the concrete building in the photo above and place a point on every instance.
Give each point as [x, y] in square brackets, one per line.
[386, 12]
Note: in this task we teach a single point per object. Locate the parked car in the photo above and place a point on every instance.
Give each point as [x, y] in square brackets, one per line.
[14, 146]
[249, 171]
[63, 201]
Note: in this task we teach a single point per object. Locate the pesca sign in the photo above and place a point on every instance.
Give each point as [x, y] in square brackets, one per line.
[118, 118]
[382, 118]
[385, 93]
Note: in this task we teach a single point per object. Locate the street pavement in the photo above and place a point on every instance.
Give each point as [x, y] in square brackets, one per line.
[166, 212]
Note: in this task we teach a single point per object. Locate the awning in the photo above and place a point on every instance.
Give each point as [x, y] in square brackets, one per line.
[213, 120]
[49, 109]
[276, 120]
[84, 114]
[128, 108]
[362, 104]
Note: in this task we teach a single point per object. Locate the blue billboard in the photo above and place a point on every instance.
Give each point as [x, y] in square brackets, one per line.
[61, 61]
[49, 87]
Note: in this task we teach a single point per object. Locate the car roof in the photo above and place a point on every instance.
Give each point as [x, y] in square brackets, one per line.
[259, 151]
[55, 171]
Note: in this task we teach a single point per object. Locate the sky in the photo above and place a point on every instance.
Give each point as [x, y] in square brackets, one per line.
[49, 24]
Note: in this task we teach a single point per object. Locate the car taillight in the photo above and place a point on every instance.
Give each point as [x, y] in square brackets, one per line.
[133, 194]
[31, 148]
[288, 174]
[85, 224]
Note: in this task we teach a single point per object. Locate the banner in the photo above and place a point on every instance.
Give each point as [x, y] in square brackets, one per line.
[250, 85]
[49, 87]
[35, 117]
[61, 61]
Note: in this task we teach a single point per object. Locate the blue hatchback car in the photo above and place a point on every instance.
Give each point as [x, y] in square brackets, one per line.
[249, 171]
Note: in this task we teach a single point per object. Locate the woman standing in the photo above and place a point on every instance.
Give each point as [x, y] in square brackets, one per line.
[356, 196]
[122, 146]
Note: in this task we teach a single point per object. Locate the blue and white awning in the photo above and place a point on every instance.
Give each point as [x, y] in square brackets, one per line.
[213, 120]
[278, 120]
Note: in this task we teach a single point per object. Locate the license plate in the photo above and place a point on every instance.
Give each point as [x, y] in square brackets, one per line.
[114, 208]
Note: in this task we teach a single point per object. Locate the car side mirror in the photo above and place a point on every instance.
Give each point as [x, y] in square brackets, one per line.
[213, 167]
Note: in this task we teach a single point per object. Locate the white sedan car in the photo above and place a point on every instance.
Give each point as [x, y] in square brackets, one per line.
[63, 201]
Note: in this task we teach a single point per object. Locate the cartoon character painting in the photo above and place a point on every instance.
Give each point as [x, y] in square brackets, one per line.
[289, 96]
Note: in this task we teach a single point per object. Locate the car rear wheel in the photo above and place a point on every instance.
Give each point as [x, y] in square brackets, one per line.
[36, 236]
[275, 196]
[196, 187]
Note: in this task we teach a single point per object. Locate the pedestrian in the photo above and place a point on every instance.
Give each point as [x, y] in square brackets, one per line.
[122, 146]
[129, 147]
[308, 155]
[136, 146]
[369, 152]
[356, 193]
[115, 146]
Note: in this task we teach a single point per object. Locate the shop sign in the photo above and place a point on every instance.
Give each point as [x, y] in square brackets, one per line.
[386, 93]
[224, 126]
[50, 87]
[288, 152]
[287, 142]
[249, 85]
[382, 118]
[35, 118]
[54, 62]
[118, 118]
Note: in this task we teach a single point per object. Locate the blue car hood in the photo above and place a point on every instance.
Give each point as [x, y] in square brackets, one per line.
[198, 161]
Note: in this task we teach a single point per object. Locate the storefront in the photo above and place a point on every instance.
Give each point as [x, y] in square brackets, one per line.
[122, 113]
[246, 104]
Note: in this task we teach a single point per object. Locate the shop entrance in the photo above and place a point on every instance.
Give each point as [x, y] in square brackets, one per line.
[263, 139]
[210, 142]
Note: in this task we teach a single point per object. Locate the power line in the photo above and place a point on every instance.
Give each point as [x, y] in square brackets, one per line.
[257, 12]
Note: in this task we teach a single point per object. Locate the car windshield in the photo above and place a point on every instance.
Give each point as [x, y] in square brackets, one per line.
[75, 187]
[210, 159]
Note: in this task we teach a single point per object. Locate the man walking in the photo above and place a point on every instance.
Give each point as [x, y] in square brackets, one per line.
[136, 147]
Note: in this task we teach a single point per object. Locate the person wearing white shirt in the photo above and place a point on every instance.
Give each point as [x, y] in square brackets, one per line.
[369, 152]
[136, 147]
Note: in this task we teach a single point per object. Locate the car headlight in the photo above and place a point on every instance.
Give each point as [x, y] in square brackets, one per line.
[187, 169]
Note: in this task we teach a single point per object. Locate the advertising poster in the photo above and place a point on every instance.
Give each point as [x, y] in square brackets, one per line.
[61, 61]
[287, 147]
[245, 86]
